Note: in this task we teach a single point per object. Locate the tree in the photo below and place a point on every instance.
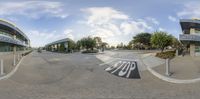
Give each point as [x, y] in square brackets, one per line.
[71, 45]
[98, 42]
[130, 45]
[142, 39]
[88, 43]
[161, 40]
[103, 45]
[120, 46]
[176, 43]
[78, 45]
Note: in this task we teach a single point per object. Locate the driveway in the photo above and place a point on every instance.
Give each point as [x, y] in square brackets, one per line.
[71, 76]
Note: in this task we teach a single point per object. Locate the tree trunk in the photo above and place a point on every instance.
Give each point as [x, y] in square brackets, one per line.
[162, 49]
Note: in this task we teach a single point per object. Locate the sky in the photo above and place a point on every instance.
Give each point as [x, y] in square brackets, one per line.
[115, 21]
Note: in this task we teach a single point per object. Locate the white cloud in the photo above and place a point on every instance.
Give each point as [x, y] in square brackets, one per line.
[103, 15]
[39, 38]
[171, 18]
[133, 27]
[110, 23]
[190, 10]
[153, 20]
[68, 33]
[33, 9]
[161, 29]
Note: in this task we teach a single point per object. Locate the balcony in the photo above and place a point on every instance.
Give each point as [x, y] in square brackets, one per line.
[189, 37]
[5, 38]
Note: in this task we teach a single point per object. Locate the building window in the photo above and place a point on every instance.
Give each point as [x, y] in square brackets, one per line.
[5, 47]
[5, 33]
[197, 31]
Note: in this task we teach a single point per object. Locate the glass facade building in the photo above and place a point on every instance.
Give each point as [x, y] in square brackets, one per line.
[191, 35]
[12, 38]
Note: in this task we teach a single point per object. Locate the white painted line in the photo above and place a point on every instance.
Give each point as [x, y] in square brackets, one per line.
[107, 62]
[127, 59]
[13, 71]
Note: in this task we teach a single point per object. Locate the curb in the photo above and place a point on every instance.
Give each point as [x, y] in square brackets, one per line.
[13, 71]
[168, 79]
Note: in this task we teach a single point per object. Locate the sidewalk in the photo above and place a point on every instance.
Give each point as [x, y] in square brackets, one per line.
[8, 60]
[184, 69]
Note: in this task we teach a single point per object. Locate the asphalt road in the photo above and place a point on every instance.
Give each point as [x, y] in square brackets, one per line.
[73, 76]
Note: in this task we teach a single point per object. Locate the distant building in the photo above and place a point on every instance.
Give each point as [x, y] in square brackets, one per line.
[12, 38]
[58, 46]
[191, 35]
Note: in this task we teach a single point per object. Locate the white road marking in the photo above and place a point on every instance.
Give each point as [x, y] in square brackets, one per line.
[122, 68]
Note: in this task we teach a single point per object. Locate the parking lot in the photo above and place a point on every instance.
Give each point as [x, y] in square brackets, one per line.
[50, 75]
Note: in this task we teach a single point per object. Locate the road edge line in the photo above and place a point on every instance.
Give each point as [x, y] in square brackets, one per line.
[13, 71]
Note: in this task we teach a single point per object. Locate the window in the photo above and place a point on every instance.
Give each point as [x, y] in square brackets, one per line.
[5, 47]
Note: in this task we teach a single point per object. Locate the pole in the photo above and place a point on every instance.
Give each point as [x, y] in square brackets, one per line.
[167, 72]
[177, 52]
[2, 71]
[14, 60]
[18, 58]
[14, 50]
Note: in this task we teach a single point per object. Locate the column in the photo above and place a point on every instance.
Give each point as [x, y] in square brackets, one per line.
[192, 49]
[192, 46]
[192, 30]
[14, 52]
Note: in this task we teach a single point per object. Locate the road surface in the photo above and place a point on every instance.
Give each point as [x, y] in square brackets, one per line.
[73, 76]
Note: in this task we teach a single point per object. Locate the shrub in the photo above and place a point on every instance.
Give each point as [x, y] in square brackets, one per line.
[90, 51]
[165, 55]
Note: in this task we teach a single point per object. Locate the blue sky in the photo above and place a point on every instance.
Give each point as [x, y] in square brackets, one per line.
[116, 21]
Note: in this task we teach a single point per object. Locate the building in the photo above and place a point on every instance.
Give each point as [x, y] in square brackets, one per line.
[12, 38]
[59, 46]
[191, 35]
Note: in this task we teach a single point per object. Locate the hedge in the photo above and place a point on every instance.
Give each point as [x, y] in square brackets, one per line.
[165, 55]
[90, 51]
[26, 53]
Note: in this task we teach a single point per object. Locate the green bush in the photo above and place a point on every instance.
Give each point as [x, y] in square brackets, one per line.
[165, 55]
[90, 51]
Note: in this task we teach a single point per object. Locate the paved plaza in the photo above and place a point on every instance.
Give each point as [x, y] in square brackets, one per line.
[50, 75]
